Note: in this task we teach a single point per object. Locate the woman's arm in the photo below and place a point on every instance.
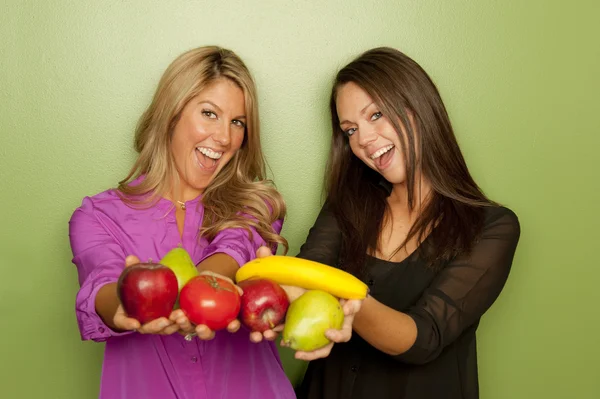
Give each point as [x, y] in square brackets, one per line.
[384, 328]
[220, 263]
[100, 259]
[458, 296]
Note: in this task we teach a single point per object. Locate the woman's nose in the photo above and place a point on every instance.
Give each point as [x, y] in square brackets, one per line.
[366, 135]
[222, 134]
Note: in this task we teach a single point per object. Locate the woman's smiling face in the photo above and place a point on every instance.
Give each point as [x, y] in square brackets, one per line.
[371, 135]
[207, 135]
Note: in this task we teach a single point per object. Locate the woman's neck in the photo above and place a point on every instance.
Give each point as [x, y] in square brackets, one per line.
[399, 194]
[180, 193]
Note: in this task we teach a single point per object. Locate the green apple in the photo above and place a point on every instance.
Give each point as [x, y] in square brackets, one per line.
[182, 265]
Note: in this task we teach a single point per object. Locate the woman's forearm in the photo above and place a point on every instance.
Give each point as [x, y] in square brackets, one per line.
[386, 329]
[107, 302]
[220, 263]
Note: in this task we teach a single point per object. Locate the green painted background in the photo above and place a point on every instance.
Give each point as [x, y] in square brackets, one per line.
[520, 79]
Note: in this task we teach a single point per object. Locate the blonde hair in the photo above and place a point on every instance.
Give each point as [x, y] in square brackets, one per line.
[240, 196]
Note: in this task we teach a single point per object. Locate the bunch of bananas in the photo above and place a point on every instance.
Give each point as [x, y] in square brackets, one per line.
[310, 275]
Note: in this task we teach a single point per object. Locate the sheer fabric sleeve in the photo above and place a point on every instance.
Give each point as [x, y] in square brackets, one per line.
[323, 241]
[464, 290]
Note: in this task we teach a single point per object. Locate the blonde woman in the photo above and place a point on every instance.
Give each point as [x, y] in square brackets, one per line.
[199, 182]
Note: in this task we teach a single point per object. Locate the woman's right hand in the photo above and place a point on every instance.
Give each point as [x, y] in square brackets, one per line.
[163, 326]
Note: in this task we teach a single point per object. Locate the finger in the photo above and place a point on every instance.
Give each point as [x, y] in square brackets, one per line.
[278, 328]
[131, 260]
[155, 326]
[123, 322]
[204, 332]
[263, 252]
[179, 317]
[347, 324]
[173, 328]
[176, 314]
[256, 337]
[233, 326]
[338, 335]
[185, 325]
[293, 292]
[270, 335]
[317, 354]
[352, 306]
[126, 323]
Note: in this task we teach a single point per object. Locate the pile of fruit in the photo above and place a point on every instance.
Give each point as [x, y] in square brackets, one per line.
[151, 290]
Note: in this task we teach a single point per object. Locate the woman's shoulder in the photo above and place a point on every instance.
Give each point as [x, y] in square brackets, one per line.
[499, 215]
[114, 197]
[101, 202]
[110, 201]
[494, 212]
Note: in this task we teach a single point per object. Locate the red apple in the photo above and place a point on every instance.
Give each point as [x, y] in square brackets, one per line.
[147, 291]
[264, 304]
[210, 300]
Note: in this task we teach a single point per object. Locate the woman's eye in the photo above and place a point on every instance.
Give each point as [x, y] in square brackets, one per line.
[349, 132]
[238, 123]
[376, 116]
[209, 114]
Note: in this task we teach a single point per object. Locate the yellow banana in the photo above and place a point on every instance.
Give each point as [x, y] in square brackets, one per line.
[289, 270]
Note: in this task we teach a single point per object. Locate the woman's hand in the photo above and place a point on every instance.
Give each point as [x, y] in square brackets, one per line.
[272, 334]
[202, 331]
[162, 325]
[351, 307]
[292, 293]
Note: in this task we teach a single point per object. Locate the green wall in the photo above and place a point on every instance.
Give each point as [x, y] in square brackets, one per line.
[520, 81]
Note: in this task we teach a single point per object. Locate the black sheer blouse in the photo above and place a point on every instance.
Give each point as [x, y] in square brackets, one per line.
[446, 305]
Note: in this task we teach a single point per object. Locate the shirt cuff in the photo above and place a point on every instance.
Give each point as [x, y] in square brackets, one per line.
[423, 350]
[240, 255]
[91, 326]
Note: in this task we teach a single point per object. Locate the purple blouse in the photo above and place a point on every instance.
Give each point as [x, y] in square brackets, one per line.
[103, 231]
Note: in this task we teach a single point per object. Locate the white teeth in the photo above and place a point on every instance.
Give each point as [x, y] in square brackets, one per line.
[210, 153]
[382, 151]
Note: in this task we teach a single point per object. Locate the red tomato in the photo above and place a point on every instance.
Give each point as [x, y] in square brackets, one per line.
[211, 301]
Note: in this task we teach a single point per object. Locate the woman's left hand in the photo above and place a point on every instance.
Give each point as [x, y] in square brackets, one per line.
[292, 293]
[271, 335]
[201, 330]
[351, 308]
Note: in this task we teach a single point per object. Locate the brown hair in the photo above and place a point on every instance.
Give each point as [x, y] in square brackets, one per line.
[241, 186]
[452, 215]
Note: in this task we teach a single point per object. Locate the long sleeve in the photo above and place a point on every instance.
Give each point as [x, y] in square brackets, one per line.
[464, 290]
[239, 243]
[99, 259]
[324, 240]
